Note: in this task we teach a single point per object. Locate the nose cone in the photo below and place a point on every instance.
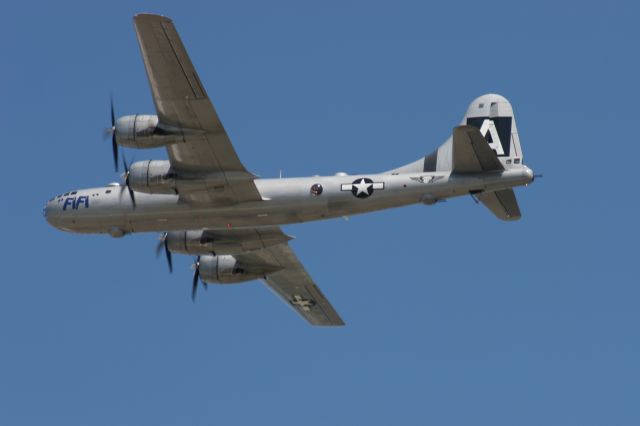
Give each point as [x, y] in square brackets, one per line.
[52, 212]
[48, 213]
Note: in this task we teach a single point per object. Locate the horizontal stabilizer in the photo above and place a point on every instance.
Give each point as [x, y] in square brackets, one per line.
[502, 203]
[472, 153]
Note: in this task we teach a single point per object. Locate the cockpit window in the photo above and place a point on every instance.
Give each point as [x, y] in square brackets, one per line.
[74, 192]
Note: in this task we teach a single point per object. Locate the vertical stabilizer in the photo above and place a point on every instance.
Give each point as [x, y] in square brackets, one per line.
[491, 114]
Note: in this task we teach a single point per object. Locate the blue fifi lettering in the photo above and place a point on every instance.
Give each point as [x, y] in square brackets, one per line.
[83, 199]
[69, 201]
[76, 202]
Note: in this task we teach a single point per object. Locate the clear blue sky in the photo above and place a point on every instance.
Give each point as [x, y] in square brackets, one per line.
[453, 317]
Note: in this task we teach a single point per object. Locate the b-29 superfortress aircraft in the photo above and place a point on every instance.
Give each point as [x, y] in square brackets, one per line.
[206, 204]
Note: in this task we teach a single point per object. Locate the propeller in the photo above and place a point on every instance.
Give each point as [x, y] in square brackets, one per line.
[112, 131]
[126, 175]
[164, 243]
[196, 278]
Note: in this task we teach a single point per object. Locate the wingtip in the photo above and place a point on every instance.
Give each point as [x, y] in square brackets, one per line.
[150, 16]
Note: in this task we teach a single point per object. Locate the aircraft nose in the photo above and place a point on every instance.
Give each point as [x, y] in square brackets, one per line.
[46, 211]
[49, 212]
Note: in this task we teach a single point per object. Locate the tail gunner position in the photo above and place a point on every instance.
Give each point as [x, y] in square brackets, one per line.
[207, 204]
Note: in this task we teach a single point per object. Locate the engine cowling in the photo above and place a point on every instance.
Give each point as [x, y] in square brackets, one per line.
[145, 131]
[228, 270]
[226, 241]
[152, 177]
[156, 177]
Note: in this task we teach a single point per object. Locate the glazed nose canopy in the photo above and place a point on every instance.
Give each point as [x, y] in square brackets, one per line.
[45, 211]
[52, 207]
[63, 210]
[52, 212]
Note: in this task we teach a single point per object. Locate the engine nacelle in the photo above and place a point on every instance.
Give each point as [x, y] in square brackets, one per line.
[152, 177]
[156, 177]
[227, 270]
[145, 131]
[226, 241]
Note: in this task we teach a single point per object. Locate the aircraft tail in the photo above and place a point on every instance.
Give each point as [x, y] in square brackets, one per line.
[486, 140]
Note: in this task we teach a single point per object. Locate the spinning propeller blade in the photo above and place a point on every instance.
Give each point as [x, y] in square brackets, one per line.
[196, 278]
[112, 131]
[163, 243]
[126, 181]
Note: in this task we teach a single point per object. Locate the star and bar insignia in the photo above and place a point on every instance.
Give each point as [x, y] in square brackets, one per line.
[363, 187]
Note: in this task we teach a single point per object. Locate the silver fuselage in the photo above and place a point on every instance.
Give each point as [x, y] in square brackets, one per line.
[285, 201]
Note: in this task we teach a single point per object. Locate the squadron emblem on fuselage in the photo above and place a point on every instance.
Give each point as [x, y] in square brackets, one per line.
[426, 179]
